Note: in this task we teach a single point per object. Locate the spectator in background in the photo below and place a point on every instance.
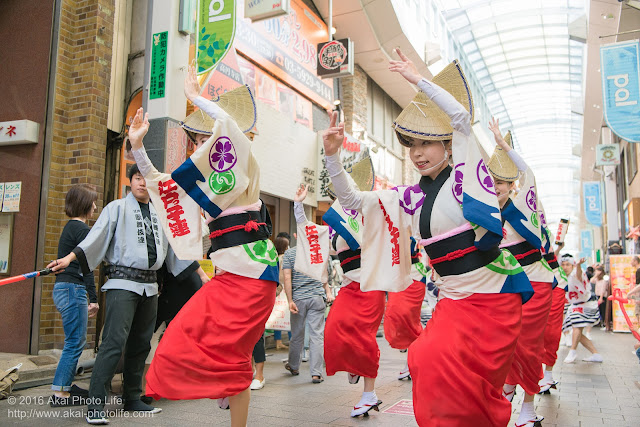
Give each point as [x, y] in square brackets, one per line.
[306, 298]
[601, 291]
[70, 294]
[282, 244]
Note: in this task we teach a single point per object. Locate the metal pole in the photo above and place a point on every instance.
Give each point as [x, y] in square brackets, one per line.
[616, 34]
[330, 19]
[147, 56]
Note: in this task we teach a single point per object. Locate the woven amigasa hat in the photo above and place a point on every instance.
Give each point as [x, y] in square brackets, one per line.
[362, 174]
[500, 164]
[238, 103]
[423, 119]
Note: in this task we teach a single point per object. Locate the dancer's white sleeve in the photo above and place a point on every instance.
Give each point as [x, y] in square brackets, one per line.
[298, 212]
[143, 162]
[519, 161]
[349, 196]
[210, 108]
[460, 117]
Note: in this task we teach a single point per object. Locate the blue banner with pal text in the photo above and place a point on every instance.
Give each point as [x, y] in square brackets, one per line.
[621, 88]
[593, 202]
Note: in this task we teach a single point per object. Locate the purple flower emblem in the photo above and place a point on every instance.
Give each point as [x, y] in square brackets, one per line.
[222, 156]
[543, 219]
[411, 198]
[351, 212]
[485, 179]
[531, 200]
[458, 177]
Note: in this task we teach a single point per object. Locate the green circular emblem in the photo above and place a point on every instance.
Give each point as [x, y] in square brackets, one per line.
[534, 219]
[353, 224]
[222, 182]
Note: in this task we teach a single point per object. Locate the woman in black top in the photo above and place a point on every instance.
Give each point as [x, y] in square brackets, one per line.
[70, 296]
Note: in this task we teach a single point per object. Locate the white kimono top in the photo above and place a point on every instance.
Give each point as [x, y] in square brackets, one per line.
[256, 260]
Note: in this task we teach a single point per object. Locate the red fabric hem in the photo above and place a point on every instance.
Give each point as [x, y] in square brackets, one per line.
[527, 363]
[402, 324]
[206, 350]
[460, 361]
[350, 332]
[553, 330]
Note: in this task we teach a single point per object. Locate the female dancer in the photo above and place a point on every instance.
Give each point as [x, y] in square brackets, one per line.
[523, 240]
[472, 334]
[582, 311]
[208, 345]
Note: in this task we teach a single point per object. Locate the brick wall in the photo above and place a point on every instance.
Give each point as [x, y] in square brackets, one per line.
[354, 102]
[79, 131]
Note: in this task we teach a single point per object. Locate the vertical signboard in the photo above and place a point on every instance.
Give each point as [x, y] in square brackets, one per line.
[621, 88]
[158, 81]
[593, 202]
[215, 32]
[623, 277]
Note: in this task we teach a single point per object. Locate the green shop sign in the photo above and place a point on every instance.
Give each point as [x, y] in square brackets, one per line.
[158, 83]
[216, 29]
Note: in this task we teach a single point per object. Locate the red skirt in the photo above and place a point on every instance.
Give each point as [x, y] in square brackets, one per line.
[460, 361]
[527, 362]
[350, 333]
[402, 317]
[553, 331]
[206, 350]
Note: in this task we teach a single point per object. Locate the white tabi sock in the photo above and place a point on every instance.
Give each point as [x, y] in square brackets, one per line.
[527, 413]
[369, 396]
[548, 376]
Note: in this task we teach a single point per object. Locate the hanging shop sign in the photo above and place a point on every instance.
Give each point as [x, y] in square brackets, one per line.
[19, 132]
[593, 202]
[586, 238]
[257, 10]
[607, 154]
[285, 47]
[215, 32]
[335, 58]
[621, 88]
[158, 83]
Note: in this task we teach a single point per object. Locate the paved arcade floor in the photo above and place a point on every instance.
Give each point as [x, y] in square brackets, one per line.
[588, 395]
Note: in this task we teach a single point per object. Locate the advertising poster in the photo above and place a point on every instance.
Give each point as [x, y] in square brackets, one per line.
[623, 277]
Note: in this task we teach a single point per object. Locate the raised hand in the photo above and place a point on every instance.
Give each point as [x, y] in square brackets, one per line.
[301, 193]
[333, 137]
[138, 129]
[405, 67]
[494, 127]
[191, 85]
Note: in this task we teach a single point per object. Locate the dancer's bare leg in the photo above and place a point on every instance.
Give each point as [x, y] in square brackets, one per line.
[239, 407]
[577, 336]
[588, 344]
[369, 384]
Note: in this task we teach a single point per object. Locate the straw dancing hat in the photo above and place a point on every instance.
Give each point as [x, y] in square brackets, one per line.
[238, 103]
[500, 164]
[362, 174]
[423, 119]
